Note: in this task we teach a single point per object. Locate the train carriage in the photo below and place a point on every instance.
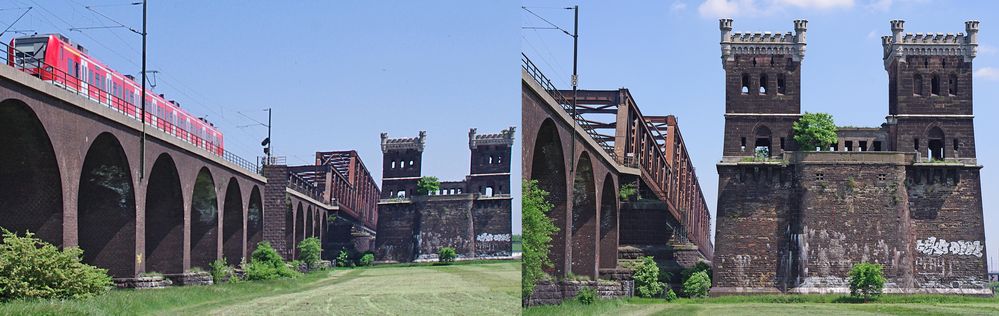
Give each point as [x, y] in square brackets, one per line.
[54, 58]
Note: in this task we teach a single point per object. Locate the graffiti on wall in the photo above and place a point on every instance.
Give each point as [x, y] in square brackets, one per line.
[934, 246]
[490, 237]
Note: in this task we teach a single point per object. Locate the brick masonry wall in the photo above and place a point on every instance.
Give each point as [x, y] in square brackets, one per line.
[491, 223]
[754, 202]
[445, 221]
[551, 293]
[276, 208]
[397, 228]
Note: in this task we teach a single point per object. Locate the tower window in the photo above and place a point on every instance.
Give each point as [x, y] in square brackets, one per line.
[745, 84]
[952, 85]
[781, 85]
[935, 85]
[956, 144]
[917, 84]
[763, 84]
[743, 144]
[393, 164]
[915, 144]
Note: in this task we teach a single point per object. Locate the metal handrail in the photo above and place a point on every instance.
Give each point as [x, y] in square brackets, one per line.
[549, 87]
[71, 83]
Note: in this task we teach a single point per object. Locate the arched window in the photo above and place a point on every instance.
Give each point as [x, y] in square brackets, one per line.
[393, 164]
[763, 84]
[781, 84]
[917, 84]
[952, 85]
[745, 84]
[936, 143]
[935, 85]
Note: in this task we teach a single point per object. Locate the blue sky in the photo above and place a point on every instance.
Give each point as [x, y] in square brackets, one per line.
[336, 73]
[667, 54]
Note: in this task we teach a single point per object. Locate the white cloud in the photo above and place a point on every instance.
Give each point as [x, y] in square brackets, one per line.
[872, 34]
[986, 49]
[987, 73]
[732, 8]
[677, 7]
[879, 5]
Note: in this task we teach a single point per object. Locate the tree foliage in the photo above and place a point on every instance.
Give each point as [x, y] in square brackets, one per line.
[814, 130]
[427, 184]
[538, 230]
[32, 268]
[697, 285]
[867, 280]
[627, 191]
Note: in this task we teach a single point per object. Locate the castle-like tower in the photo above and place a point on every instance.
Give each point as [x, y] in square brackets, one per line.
[930, 108]
[490, 163]
[906, 195]
[401, 164]
[762, 89]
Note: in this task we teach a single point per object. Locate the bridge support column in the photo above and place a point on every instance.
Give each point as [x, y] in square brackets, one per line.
[275, 208]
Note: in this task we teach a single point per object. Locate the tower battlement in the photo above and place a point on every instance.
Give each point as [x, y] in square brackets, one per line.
[762, 43]
[415, 143]
[900, 45]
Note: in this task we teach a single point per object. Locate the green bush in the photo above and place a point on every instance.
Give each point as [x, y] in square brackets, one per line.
[221, 272]
[866, 280]
[586, 296]
[538, 231]
[367, 259]
[627, 191]
[814, 130]
[671, 296]
[647, 278]
[266, 264]
[310, 251]
[446, 255]
[995, 288]
[697, 285]
[342, 259]
[700, 266]
[32, 268]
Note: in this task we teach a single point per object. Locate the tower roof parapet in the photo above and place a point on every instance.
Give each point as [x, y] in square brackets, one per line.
[504, 137]
[900, 45]
[415, 143]
[762, 43]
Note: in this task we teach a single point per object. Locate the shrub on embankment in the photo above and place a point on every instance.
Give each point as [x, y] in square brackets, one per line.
[32, 268]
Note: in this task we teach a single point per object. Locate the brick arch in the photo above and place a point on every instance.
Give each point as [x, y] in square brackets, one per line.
[608, 223]
[204, 219]
[289, 228]
[31, 200]
[310, 222]
[936, 144]
[164, 229]
[254, 220]
[106, 210]
[762, 137]
[548, 169]
[232, 224]
[584, 218]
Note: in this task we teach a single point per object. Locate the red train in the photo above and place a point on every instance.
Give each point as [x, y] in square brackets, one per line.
[54, 58]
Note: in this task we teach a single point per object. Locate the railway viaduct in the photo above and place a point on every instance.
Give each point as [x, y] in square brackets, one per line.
[584, 162]
[72, 171]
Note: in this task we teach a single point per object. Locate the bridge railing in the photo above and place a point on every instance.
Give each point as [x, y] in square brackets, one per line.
[549, 87]
[300, 184]
[69, 82]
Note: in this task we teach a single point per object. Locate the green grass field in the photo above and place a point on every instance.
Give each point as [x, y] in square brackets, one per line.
[480, 288]
[812, 305]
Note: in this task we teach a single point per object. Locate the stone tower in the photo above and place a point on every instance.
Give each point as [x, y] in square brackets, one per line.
[401, 164]
[490, 163]
[929, 92]
[762, 89]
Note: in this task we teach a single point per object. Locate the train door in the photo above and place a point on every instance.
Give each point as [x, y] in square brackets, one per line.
[84, 77]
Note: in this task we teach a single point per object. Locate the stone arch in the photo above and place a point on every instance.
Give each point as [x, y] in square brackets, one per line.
[763, 140]
[164, 224]
[204, 220]
[106, 208]
[936, 143]
[254, 220]
[310, 223]
[584, 218]
[232, 224]
[299, 227]
[548, 168]
[289, 229]
[608, 223]
[31, 198]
